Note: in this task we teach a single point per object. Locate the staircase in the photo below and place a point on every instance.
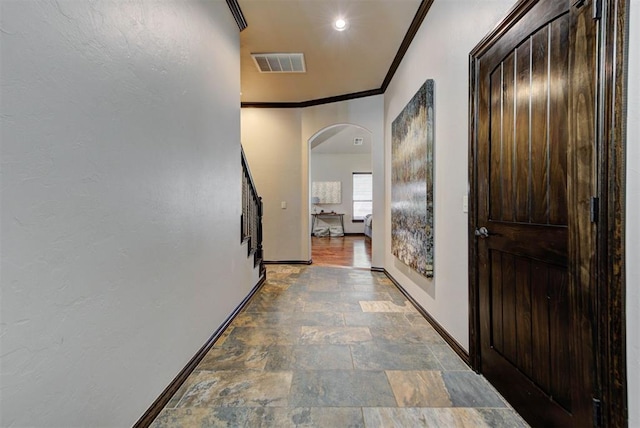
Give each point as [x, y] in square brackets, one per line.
[251, 219]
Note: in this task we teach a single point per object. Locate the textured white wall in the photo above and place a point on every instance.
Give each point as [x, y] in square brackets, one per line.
[441, 52]
[368, 113]
[276, 142]
[120, 203]
[633, 218]
[271, 140]
[340, 167]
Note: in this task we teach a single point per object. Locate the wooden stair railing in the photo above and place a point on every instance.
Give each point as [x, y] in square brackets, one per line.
[251, 219]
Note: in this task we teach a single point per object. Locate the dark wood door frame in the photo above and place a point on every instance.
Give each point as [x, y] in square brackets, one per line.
[609, 300]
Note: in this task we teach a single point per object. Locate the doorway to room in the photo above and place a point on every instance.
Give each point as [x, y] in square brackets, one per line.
[545, 236]
[341, 201]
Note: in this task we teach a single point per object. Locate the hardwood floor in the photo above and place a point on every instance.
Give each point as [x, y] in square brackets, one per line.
[345, 251]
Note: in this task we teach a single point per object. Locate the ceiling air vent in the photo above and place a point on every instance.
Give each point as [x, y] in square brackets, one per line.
[358, 141]
[279, 62]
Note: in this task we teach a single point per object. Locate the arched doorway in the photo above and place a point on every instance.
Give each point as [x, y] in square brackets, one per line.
[341, 195]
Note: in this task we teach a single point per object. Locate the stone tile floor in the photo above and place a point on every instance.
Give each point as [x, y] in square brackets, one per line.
[333, 347]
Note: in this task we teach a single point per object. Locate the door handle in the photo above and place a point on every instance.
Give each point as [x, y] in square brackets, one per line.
[482, 232]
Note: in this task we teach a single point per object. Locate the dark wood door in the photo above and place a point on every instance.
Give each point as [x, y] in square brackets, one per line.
[534, 178]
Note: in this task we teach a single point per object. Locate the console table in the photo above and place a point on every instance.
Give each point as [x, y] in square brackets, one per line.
[325, 216]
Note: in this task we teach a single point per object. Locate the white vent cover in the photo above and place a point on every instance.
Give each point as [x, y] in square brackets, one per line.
[358, 141]
[279, 62]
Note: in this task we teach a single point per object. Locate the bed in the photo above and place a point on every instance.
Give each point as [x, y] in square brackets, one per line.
[367, 225]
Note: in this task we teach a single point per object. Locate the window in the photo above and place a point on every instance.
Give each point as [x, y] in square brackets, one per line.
[362, 195]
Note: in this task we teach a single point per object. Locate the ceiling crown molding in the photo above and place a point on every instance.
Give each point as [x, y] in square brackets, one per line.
[311, 103]
[424, 7]
[234, 7]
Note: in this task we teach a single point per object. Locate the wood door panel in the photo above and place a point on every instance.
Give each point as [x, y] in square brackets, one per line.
[524, 329]
[522, 159]
[547, 243]
[538, 128]
[546, 142]
[560, 345]
[558, 127]
[531, 192]
[541, 312]
[529, 307]
[507, 143]
[527, 152]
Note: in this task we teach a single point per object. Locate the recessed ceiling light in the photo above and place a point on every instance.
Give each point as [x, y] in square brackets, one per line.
[340, 24]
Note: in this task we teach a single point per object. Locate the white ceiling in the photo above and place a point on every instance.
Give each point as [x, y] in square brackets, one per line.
[338, 63]
[339, 140]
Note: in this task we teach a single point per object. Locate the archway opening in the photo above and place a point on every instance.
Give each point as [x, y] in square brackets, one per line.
[341, 196]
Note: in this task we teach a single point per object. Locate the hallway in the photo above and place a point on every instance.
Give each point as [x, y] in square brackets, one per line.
[333, 347]
[346, 251]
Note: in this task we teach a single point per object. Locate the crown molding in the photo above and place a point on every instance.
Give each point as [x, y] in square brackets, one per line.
[234, 7]
[311, 103]
[421, 13]
[425, 5]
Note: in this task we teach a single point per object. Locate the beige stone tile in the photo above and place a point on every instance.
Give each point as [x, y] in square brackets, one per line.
[419, 388]
[324, 285]
[281, 417]
[234, 358]
[371, 287]
[223, 336]
[416, 319]
[331, 306]
[319, 335]
[263, 336]
[288, 319]
[383, 280]
[377, 417]
[276, 286]
[386, 306]
[415, 335]
[201, 417]
[284, 270]
[237, 388]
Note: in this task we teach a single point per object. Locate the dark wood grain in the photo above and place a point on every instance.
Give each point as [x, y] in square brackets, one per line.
[510, 335]
[495, 189]
[561, 374]
[508, 140]
[558, 127]
[581, 174]
[612, 214]
[496, 301]
[529, 246]
[540, 331]
[522, 131]
[578, 264]
[523, 315]
[539, 131]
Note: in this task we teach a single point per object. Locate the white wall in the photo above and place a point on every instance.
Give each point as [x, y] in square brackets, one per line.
[367, 113]
[441, 52]
[340, 167]
[271, 141]
[633, 219]
[120, 203]
[276, 142]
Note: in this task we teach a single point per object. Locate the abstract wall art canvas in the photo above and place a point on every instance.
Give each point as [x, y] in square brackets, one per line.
[326, 192]
[412, 141]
